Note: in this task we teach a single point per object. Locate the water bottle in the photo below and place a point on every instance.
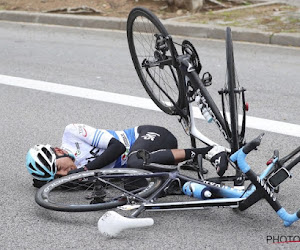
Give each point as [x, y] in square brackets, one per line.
[196, 190]
[204, 110]
[206, 115]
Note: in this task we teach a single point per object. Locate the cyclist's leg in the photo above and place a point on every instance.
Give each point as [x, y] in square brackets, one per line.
[158, 141]
[162, 147]
[152, 138]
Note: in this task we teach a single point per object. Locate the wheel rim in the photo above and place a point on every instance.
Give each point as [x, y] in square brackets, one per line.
[231, 82]
[157, 80]
[77, 193]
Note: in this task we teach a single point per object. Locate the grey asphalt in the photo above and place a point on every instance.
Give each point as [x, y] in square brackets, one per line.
[174, 28]
[99, 59]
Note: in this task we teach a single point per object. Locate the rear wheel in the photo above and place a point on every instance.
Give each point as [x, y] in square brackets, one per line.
[152, 59]
[96, 189]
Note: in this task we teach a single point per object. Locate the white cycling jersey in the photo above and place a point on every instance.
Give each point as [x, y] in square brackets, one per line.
[86, 143]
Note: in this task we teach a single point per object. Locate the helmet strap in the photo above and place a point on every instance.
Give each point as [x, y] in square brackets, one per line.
[65, 155]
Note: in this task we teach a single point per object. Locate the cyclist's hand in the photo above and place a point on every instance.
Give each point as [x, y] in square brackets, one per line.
[78, 170]
[38, 183]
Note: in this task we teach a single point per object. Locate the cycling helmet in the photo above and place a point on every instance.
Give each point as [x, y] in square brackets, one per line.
[41, 162]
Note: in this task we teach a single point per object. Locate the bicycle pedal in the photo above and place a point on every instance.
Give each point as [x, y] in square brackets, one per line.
[189, 167]
[95, 196]
[207, 84]
[204, 171]
[144, 155]
[97, 200]
[97, 193]
[128, 207]
[207, 79]
[173, 189]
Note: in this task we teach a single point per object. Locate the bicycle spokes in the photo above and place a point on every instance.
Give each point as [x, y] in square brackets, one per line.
[240, 96]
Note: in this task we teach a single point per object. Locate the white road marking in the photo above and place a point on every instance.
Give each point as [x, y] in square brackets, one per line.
[137, 102]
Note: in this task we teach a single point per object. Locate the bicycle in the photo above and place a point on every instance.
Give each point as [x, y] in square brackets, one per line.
[137, 189]
[102, 189]
[172, 81]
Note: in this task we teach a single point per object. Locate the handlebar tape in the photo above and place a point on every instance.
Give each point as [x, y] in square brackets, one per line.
[252, 144]
[287, 218]
[276, 153]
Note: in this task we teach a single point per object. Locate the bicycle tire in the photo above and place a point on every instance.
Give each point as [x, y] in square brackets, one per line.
[72, 193]
[162, 83]
[231, 86]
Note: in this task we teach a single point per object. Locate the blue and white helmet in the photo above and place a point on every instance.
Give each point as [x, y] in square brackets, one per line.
[41, 162]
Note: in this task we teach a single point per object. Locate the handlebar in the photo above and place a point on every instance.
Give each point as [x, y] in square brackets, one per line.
[262, 188]
[289, 156]
[288, 219]
[253, 144]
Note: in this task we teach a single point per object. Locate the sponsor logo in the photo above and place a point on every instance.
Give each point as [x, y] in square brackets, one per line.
[62, 180]
[150, 136]
[193, 154]
[82, 130]
[125, 139]
[217, 162]
[219, 186]
[94, 153]
[78, 152]
[265, 187]
[124, 156]
[190, 68]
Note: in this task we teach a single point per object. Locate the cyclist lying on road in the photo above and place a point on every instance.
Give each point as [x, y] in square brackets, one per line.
[86, 148]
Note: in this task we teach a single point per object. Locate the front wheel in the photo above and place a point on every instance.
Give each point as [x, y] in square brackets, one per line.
[96, 189]
[234, 97]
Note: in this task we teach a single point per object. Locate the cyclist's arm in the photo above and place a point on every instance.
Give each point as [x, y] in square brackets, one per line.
[97, 138]
[113, 151]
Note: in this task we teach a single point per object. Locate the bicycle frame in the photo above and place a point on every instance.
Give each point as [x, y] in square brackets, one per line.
[228, 196]
[192, 80]
[195, 91]
[172, 81]
[243, 200]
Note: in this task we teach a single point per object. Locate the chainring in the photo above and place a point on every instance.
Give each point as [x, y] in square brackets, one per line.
[188, 48]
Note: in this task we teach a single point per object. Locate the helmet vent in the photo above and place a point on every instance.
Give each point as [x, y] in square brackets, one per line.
[43, 161]
[46, 175]
[30, 165]
[47, 153]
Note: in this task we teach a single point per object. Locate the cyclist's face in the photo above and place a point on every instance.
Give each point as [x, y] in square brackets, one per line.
[64, 164]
